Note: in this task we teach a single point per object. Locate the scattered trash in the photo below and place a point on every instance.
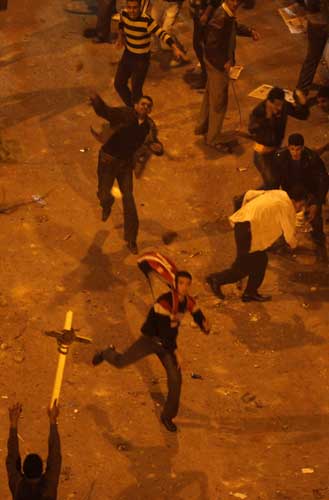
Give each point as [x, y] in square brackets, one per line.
[4, 346]
[19, 358]
[242, 169]
[4, 397]
[254, 317]
[195, 254]
[169, 237]
[262, 91]
[68, 236]
[248, 398]
[122, 447]
[305, 305]
[37, 198]
[307, 470]
[235, 72]
[84, 150]
[197, 376]
[313, 288]
[75, 411]
[238, 495]
[294, 17]
[20, 437]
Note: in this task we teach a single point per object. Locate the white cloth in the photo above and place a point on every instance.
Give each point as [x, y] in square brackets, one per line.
[271, 214]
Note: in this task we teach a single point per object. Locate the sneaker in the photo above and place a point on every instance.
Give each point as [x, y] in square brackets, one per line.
[98, 358]
[255, 297]
[132, 246]
[168, 423]
[106, 212]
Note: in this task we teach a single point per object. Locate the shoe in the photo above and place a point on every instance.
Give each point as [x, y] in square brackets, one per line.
[168, 423]
[255, 297]
[106, 214]
[198, 85]
[90, 33]
[200, 131]
[98, 39]
[132, 246]
[98, 358]
[215, 287]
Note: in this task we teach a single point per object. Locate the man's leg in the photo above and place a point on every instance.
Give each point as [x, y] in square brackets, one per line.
[105, 11]
[140, 68]
[174, 380]
[257, 263]
[106, 172]
[142, 347]
[203, 119]
[264, 165]
[198, 49]
[124, 72]
[319, 237]
[317, 38]
[217, 84]
[240, 267]
[125, 181]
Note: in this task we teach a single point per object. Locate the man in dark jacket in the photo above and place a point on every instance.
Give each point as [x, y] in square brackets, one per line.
[297, 164]
[219, 55]
[267, 126]
[116, 158]
[160, 332]
[32, 483]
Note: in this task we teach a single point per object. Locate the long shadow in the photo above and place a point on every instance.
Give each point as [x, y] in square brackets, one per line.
[268, 335]
[152, 466]
[44, 103]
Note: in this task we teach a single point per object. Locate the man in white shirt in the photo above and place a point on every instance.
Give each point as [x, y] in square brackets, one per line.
[262, 219]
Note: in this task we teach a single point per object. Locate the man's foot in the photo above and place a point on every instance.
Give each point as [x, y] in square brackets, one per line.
[98, 358]
[106, 214]
[99, 39]
[199, 131]
[132, 246]
[215, 287]
[90, 32]
[168, 423]
[255, 297]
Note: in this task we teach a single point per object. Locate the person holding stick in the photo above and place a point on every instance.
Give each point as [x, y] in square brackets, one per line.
[32, 483]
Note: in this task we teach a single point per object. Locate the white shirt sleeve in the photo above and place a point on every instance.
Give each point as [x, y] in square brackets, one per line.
[287, 219]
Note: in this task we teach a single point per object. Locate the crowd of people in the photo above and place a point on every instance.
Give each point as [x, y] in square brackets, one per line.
[294, 179]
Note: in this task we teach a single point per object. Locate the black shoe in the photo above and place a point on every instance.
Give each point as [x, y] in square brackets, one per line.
[255, 297]
[132, 246]
[168, 423]
[215, 287]
[90, 33]
[106, 214]
[98, 358]
[99, 39]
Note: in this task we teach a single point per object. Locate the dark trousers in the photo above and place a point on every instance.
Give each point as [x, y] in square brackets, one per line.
[105, 11]
[265, 166]
[143, 347]
[248, 264]
[108, 170]
[134, 67]
[317, 38]
[198, 33]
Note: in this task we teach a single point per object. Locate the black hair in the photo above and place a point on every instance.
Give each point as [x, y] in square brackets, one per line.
[276, 93]
[183, 274]
[138, 1]
[323, 92]
[298, 193]
[296, 140]
[32, 466]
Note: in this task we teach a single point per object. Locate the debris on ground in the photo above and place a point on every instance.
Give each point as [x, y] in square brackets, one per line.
[169, 237]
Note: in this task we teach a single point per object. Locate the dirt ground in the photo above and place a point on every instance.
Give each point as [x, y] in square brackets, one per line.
[260, 413]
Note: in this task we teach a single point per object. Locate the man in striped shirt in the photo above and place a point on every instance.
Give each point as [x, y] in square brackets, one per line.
[135, 30]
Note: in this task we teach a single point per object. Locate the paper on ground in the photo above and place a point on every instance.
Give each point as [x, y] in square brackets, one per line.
[262, 91]
[294, 17]
[235, 72]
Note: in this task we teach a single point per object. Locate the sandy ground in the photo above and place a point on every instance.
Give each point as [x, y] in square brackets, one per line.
[260, 414]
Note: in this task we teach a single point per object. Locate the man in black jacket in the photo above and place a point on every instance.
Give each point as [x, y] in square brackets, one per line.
[32, 483]
[297, 164]
[219, 55]
[116, 158]
[159, 335]
[267, 126]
